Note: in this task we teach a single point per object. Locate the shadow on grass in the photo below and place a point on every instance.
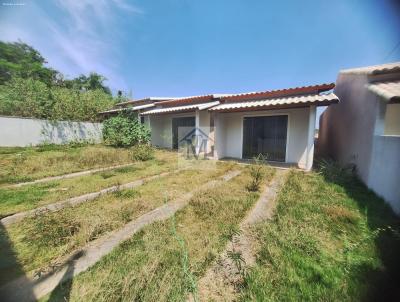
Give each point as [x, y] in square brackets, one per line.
[11, 269]
[381, 284]
[16, 286]
[63, 291]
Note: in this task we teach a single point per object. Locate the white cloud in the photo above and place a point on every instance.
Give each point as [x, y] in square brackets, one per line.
[83, 40]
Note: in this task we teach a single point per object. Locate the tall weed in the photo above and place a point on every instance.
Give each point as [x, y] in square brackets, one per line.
[257, 173]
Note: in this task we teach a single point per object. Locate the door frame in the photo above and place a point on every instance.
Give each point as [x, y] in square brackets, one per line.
[183, 115]
[257, 114]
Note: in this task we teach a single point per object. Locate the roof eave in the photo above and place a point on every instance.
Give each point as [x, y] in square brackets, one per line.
[277, 107]
[169, 112]
[289, 92]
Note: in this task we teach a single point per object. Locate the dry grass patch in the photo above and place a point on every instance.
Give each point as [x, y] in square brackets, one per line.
[43, 240]
[37, 162]
[163, 261]
[341, 214]
[32, 196]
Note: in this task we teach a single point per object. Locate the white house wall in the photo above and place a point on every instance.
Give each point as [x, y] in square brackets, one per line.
[220, 133]
[355, 132]
[230, 136]
[161, 131]
[347, 128]
[384, 177]
[204, 118]
[392, 119]
[161, 128]
[205, 126]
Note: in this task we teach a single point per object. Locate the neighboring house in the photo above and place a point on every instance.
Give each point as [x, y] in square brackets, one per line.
[364, 128]
[134, 105]
[279, 124]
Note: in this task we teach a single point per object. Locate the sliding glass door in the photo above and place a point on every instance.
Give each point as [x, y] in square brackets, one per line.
[187, 122]
[266, 135]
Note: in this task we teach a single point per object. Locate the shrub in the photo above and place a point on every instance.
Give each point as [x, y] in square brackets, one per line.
[32, 98]
[125, 130]
[142, 152]
[257, 173]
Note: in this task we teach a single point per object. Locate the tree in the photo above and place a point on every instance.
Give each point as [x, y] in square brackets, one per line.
[21, 60]
[25, 97]
[18, 59]
[28, 88]
[84, 83]
[33, 98]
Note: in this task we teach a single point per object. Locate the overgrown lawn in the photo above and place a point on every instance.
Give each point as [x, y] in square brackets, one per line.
[31, 163]
[331, 239]
[153, 266]
[28, 197]
[43, 240]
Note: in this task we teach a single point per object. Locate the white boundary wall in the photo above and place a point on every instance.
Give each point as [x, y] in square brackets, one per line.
[21, 132]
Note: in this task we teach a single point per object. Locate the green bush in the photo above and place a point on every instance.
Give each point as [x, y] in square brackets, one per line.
[125, 130]
[32, 98]
[142, 152]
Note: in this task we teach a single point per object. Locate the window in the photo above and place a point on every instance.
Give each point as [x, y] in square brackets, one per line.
[392, 119]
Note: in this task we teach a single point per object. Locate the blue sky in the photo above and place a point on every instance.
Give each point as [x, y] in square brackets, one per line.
[189, 47]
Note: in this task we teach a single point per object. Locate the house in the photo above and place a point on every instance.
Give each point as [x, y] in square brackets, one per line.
[363, 130]
[136, 106]
[279, 124]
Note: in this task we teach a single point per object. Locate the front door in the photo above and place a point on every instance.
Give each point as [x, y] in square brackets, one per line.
[189, 122]
[265, 135]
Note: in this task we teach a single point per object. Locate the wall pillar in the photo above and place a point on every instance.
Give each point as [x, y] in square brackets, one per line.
[217, 136]
[197, 132]
[379, 128]
[310, 138]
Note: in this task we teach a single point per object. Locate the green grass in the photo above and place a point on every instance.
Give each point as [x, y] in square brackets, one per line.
[28, 197]
[151, 266]
[331, 239]
[30, 163]
[43, 240]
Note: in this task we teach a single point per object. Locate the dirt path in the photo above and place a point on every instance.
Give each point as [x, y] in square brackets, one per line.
[70, 175]
[24, 289]
[53, 207]
[220, 280]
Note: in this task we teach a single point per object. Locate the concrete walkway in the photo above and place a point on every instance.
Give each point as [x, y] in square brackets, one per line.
[219, 282]
[25, 289]
[64, 176]
[53, 207]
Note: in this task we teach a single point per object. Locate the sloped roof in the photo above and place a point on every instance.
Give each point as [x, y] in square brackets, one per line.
[146, 100]
[313, 89]
[185, 108]
[390, 91]
[188, 100]
[135, 108]
[202, 102]
[374, 70]
[286, 102]
[194, 99]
